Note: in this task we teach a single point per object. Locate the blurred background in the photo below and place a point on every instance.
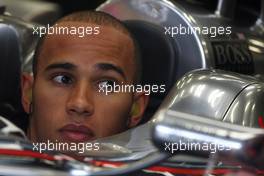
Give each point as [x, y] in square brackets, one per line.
[248, 9]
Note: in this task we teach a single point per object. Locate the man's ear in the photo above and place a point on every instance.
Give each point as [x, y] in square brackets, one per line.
[138, 108]
[26, 86]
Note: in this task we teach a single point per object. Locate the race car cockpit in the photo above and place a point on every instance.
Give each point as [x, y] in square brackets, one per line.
[211, 66]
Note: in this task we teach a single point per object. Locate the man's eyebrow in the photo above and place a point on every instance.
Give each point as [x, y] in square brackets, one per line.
[107, 66]
[64, 65]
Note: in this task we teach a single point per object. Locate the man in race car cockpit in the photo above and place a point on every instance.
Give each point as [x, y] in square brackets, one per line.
[63, 98]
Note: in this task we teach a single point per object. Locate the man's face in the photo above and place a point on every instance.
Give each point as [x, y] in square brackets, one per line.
[67, 104]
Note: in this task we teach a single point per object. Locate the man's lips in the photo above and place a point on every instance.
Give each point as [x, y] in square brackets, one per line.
[76, 133]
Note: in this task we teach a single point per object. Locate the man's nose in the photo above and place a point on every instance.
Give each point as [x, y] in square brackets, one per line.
[80, 101]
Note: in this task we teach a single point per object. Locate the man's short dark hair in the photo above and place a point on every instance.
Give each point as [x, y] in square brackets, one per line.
[98, 18]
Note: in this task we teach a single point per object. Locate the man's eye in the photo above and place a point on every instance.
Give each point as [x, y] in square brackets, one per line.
[62, 79]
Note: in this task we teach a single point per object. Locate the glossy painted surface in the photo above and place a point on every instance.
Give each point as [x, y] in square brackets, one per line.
[248, 107]
[220, 95]
[199, 103]
[208, 93]
[199, 50]
[163, 14]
